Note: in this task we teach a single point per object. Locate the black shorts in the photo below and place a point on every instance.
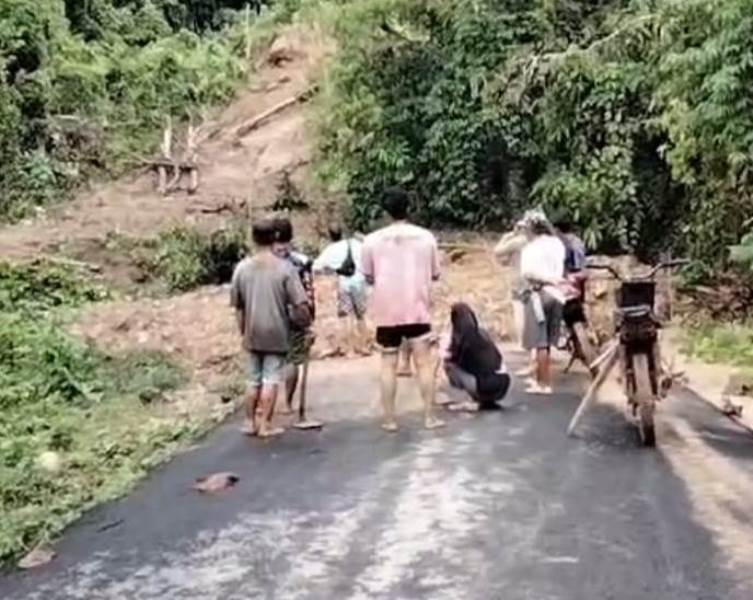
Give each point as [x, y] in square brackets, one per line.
[392, 337]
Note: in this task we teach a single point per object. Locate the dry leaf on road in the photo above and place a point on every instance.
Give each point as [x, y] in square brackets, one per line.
[39, 556]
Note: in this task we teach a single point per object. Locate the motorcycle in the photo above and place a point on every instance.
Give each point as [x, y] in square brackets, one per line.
[578, 342]
[636, 349]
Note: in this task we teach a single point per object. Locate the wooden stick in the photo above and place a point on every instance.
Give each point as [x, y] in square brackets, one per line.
[257, 121]
[461, 246]
[194, 181]
[166, 147]
[169, 164]
[603, 357]
[590, 396]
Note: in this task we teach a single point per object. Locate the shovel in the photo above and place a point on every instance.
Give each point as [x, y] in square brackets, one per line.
[303, 422]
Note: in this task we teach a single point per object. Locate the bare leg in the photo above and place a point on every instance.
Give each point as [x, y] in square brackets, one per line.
[268, 397]
[518, 313]
[530, 369]
[291, 385]
[345, 337]
[404, 369]
[543, 367]
[543, 382]
[425, 370]
[351, 336]
[252, 401]
[362, 334]
[388, 383]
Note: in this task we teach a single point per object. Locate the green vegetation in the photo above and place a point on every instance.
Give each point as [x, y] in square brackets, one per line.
[635, 117]
[184, 257]
[717, 343]
[86, 85]
[34, 289]
[99, 413]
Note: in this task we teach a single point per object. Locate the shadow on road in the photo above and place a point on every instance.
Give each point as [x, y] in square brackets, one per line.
[496, 505]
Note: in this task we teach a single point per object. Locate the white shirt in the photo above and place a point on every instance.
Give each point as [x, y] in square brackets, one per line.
[543, 259]
[333, 257]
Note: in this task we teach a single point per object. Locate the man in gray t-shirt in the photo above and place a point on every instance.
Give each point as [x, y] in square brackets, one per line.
[267, 295]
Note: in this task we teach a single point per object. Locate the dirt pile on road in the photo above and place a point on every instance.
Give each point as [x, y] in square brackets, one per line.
[198, 328]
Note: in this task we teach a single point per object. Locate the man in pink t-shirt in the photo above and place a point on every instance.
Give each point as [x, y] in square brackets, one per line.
[401, 261]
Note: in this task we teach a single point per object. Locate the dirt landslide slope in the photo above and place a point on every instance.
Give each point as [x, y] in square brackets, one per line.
[234, 170]
[240, 167]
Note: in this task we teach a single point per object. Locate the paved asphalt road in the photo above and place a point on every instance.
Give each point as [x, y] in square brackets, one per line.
[500, 505]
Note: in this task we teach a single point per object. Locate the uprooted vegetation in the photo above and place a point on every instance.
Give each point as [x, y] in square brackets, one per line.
[183, 258]
[86, 87]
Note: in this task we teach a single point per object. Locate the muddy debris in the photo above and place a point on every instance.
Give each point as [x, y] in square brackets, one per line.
[216, 482]
[39, 556]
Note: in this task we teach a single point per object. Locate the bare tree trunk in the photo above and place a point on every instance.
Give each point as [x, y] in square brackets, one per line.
[166, 147]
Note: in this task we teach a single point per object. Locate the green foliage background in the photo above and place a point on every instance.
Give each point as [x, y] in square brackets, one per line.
[633, 117]
[86, 85]
[99, 412]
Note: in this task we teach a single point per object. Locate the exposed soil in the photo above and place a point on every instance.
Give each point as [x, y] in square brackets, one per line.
[238, 174]
[198, 329]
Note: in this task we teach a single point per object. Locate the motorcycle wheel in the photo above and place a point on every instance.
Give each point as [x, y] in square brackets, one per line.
[644, 398]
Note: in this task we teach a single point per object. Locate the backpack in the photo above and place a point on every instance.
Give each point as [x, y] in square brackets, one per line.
[575, 256]
[348, 268]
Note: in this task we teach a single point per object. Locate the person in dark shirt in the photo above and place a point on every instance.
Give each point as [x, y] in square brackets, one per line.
[473, 363]
[268, 299]
[301, 338]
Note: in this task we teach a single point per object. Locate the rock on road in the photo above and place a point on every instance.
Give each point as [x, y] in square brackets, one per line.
[499, 505]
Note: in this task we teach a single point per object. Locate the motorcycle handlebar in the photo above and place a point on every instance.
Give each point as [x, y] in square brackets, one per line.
[669, 264]
[609, 268]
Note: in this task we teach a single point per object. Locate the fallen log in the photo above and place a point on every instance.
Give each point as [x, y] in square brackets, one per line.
[156, 163]
[258, 120]
[461, 246]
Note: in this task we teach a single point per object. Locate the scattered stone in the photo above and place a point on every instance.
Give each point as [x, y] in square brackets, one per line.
[50, 462]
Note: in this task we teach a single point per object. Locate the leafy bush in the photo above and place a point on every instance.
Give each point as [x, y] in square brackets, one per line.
[85, 86]
[633, 117]
[742, 253]
[186, 258]
[58, 394]
[33, 289]
[728, 344]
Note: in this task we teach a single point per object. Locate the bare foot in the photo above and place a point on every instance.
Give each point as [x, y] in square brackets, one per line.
[271, 432]
[248, 428]
[539, 390]
[442, 400]
[390, 426]
[286, 410]
[463, 407]
[433, 423]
